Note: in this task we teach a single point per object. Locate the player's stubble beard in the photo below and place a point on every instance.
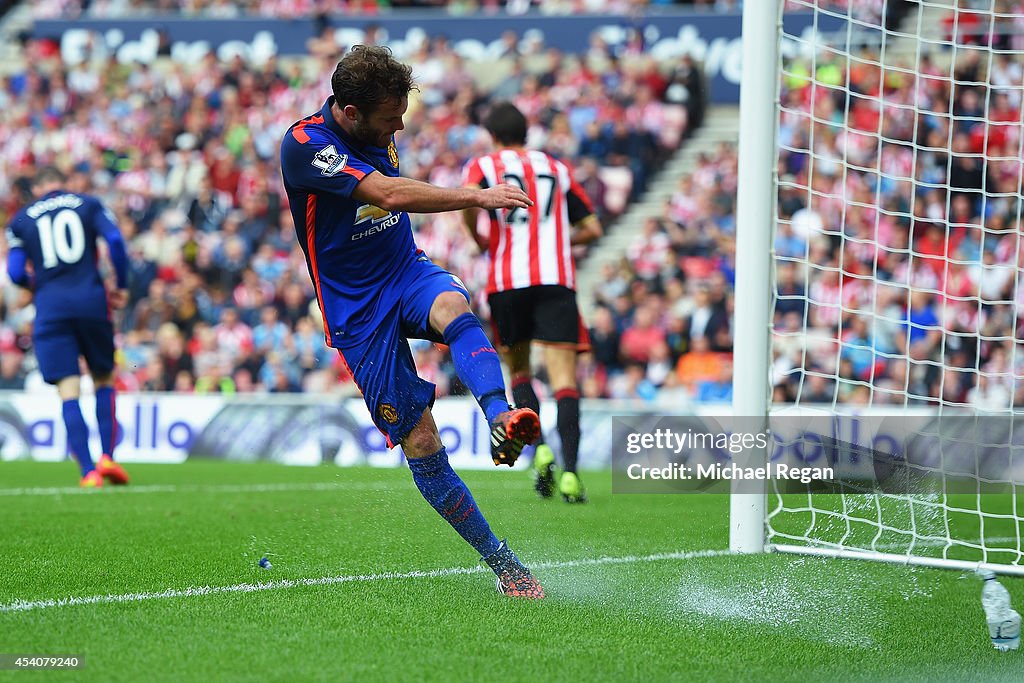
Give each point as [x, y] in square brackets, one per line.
[368, 135]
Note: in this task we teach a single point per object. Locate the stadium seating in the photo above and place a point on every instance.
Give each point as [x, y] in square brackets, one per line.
[187, 159]
[844, 321]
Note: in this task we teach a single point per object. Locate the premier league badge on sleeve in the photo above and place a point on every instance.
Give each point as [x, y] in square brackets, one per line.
[329, 161]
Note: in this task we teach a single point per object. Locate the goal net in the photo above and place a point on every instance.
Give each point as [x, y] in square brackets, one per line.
[896, 275]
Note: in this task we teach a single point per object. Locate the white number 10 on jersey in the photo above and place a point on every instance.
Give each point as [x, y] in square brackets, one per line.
[61, 238]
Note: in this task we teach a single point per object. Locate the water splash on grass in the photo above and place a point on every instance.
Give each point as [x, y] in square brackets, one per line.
[827, 600]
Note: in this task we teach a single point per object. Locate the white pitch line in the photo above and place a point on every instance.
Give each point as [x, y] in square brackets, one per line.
[186, 488]
[217, 488]
[31, 605]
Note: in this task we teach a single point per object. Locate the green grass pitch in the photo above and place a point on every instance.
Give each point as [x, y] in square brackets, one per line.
[352, 596]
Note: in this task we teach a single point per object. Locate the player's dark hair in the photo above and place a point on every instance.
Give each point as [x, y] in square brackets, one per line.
[48, 174]
[368, 76]
[506, 124]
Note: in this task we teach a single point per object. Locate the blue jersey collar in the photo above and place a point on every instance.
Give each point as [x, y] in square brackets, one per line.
[330, 122]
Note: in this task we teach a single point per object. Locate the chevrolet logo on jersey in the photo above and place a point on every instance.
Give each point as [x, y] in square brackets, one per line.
[380, 219]
[370, 212]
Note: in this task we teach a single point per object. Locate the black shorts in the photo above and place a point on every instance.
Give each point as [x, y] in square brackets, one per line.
[546, 313]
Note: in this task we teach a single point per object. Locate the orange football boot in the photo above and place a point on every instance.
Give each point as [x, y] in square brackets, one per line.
[510, 432]
[93, 480]
[111, 471]
[513, 578]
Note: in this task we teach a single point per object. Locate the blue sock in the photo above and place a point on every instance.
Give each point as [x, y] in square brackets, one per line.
[105, 418]
[447, 494]
[477, 364]
[78, 435]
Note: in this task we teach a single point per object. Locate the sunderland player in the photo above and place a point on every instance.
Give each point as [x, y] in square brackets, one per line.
[57, 234]
[376, 289]
[531, 289]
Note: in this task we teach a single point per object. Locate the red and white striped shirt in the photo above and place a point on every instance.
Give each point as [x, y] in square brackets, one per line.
[530, 247]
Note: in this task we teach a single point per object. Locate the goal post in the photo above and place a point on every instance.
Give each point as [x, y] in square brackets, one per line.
[879, 269]
[755, 205]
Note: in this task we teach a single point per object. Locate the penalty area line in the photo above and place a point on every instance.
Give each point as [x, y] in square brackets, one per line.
[282, 584]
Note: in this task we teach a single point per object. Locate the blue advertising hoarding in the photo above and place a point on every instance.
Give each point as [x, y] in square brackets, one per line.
[713, 39]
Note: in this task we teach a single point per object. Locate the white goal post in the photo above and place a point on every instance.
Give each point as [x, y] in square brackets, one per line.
[755, 204]
[879, 263]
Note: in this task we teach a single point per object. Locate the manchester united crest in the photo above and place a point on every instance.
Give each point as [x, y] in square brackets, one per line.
[393, 154]
[388, 413]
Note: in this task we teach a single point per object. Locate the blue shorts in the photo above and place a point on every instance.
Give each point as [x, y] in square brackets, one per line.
[382, 364]
[59, 343]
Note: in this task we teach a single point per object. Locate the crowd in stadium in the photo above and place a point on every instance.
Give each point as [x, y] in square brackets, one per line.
[664, 316]
[306, 8]
[866, 10]
[917, 283]
[888, 286]
[186, 157]
[930, 312]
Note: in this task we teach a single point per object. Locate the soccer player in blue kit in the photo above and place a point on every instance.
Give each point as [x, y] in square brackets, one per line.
[376, 290]
[57, 234]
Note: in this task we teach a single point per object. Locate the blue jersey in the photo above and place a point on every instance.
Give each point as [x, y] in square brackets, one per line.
[57, 234]
[355, 252]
